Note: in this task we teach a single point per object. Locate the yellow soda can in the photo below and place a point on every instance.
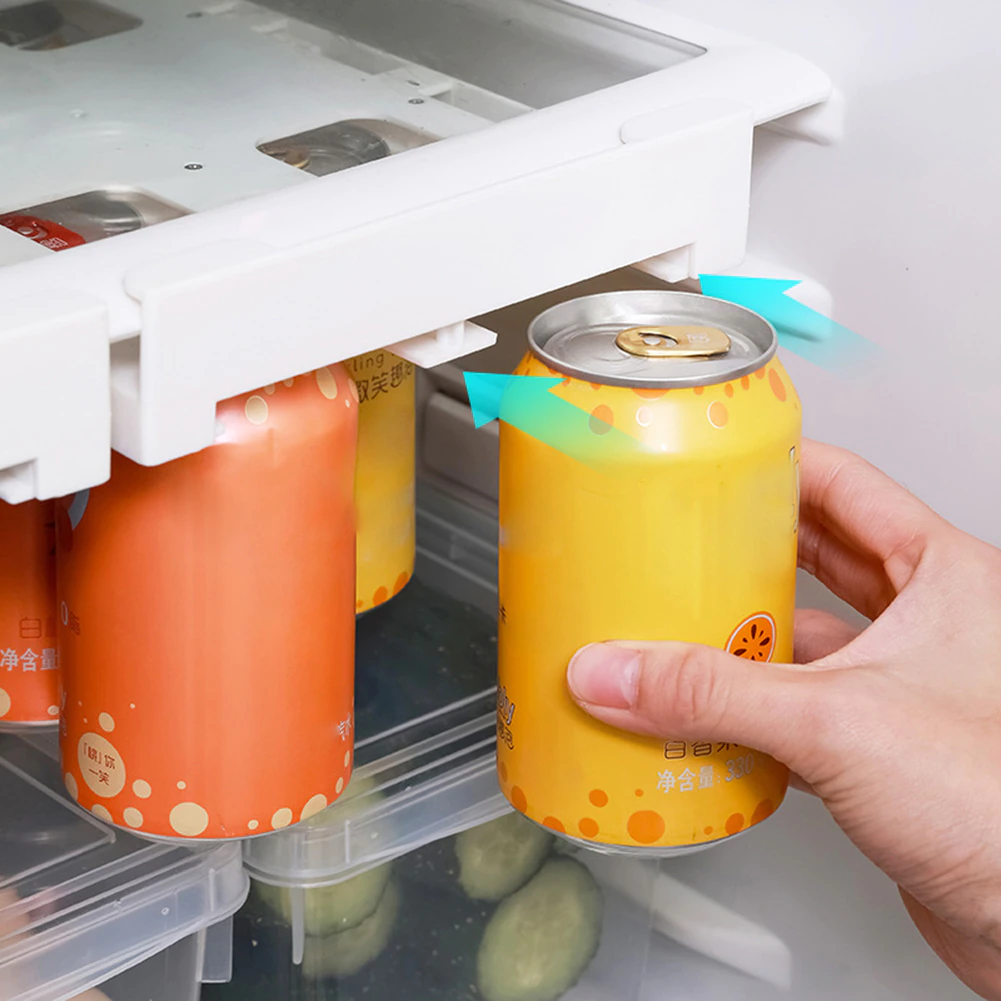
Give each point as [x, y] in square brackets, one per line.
[690, 536]
[384, 476]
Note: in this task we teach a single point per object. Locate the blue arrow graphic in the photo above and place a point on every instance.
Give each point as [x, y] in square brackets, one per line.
[802, 330]
[524, 401]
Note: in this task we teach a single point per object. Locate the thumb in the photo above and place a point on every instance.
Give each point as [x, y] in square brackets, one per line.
[692, 692]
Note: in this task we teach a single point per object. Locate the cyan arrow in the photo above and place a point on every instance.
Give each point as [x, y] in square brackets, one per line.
[802, 330]
[524, 402]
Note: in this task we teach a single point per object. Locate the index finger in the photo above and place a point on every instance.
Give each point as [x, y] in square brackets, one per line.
[866, 509]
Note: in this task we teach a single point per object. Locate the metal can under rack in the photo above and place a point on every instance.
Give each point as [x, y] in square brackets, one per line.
[88, 217]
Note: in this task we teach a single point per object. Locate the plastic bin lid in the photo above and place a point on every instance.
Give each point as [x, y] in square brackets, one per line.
[81, 901]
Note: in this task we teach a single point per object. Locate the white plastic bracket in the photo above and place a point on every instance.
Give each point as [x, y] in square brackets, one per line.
[823, 123]
[445, 344]
[809, 291]
[673, 267]
[55, 409]
[226, 317]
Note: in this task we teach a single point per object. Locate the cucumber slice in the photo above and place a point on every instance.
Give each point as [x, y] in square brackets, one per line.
[344, 954]
[541, 939]
[331, 909]
[432, 950]
[497, 858]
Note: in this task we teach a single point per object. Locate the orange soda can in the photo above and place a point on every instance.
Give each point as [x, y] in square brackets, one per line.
[384, 477]
[206, 622]
[29, 679]
[693, 538]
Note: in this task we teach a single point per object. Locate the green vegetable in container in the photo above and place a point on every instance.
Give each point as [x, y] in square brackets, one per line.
[335, 908]
[542, 938]
[330, 909]
[344, 954]
[497, 858]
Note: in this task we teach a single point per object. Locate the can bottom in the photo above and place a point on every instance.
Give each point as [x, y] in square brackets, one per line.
[176, 839]
[653, 852]
[382, 604]
[373, 608]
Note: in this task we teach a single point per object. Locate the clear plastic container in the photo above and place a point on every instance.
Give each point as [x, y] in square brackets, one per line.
[425, 719]
[490, 913]
[84, 906]
[369, 898]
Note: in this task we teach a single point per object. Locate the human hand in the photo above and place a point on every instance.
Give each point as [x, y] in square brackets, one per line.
[897, 728]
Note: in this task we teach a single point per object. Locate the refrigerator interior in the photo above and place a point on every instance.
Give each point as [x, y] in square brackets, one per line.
[289, 183]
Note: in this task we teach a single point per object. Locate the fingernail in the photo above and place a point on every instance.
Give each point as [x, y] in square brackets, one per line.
[604, 675]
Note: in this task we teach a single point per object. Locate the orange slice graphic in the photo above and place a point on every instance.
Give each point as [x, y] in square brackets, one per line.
[754, 638]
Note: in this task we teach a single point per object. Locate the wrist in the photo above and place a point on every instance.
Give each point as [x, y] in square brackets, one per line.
[974, 957]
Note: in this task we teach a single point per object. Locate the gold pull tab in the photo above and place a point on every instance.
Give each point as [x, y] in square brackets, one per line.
[673, 342]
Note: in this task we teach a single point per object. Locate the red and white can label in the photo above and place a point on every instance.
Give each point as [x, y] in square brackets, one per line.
[48, 234]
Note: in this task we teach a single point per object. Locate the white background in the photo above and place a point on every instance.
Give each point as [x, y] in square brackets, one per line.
[900, 221]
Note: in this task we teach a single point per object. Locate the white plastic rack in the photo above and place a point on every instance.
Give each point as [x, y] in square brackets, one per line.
[551, 141]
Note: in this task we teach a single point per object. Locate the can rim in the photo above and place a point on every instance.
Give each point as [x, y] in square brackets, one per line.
[701, 307]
